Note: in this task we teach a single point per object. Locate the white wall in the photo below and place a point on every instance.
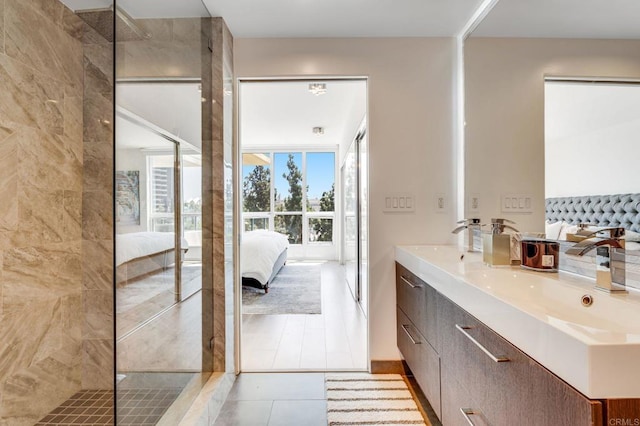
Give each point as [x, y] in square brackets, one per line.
[591, 138]
[410, 135]
[504, 111]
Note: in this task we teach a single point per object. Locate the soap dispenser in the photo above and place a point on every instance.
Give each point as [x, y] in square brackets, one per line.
[496, 245]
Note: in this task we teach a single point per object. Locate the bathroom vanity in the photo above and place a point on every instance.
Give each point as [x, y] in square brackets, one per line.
[506, 346]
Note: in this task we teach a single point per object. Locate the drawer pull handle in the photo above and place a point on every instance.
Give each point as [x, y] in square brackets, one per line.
[466, 412]
[405, 327]
[499, 358]
[403, 278]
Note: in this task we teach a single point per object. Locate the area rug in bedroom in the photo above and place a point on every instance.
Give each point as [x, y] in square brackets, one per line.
[295, 290]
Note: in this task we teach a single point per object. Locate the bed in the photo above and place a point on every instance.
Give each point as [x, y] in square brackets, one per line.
[262, 255]
[139, 254]
[563, 214]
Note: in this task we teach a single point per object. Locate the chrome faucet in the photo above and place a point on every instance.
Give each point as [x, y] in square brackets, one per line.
[471, 225]
[499, 225]
[609, 277]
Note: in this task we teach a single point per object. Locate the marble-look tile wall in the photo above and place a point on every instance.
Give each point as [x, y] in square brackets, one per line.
[97, 213]
[41, 166]
[217, 152]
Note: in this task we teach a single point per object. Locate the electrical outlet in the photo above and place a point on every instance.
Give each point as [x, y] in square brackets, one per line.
[441, 203]
[473, 203]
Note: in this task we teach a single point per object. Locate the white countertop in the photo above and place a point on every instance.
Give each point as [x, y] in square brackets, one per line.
[596, 349]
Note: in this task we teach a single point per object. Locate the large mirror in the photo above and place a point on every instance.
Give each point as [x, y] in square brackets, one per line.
[507, 59]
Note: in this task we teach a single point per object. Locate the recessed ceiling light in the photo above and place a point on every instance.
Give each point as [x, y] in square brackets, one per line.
[318, 131]
[318, 88]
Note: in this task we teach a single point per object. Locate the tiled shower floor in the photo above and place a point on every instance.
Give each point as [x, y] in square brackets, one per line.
[95, 407]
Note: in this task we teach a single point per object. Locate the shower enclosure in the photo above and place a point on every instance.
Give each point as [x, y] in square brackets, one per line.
[114, 141]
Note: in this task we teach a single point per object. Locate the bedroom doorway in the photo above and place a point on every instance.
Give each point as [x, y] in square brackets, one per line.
[297, 310]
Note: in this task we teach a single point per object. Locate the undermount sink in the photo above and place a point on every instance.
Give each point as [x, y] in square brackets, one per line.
[595, 348]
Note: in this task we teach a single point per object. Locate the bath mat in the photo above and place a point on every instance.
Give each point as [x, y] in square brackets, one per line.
[370, 399]
[295, 290]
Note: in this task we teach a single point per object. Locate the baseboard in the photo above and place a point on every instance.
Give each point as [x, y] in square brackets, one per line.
[389, 367]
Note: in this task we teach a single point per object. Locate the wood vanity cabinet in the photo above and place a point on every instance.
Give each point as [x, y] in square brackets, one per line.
[417, 332]
[502, 385]
[471, 375]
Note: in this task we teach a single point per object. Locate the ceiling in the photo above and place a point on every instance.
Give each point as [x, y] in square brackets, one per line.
[340, 18]
[279, 113]
[393, 18]
[606, 19]
[173, 107]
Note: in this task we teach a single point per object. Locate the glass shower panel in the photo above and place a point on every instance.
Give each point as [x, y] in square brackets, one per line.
[191, 279]
[145, 227]
[159, 95]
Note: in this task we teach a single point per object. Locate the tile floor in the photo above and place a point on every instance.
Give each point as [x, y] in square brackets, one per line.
[288, 399]
[335, 339]
[141, 407]
[275, 399]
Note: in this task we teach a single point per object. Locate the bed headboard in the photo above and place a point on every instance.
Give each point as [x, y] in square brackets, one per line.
[601, 210]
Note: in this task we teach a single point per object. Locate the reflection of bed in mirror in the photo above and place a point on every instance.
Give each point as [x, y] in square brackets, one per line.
[140, 254]
[262, 255]
[563, 214]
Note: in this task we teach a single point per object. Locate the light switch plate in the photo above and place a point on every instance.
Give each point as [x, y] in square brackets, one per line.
[516, 203]
[399, 202]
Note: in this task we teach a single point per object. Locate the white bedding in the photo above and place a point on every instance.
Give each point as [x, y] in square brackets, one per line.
[258, 253]
[139, 244]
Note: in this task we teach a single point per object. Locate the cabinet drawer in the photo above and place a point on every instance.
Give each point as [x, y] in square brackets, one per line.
[418, 300]
[506, 385]
[421, 358]
[458, 408]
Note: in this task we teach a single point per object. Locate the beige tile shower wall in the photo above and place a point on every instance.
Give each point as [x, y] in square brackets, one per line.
[41, 165]
[218, 229]
[97, 214]
[217, 286]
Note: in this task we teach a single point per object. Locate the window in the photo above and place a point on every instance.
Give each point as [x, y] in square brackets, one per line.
[292, 193]
[256, 190]
[320, 195]
[162, 191]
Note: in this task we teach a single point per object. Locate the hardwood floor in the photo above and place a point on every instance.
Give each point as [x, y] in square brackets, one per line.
[333, 340]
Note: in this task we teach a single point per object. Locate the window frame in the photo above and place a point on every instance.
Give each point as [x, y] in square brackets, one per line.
[306, 215]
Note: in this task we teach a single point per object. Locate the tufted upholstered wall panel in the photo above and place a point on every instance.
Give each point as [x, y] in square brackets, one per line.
[600, 210]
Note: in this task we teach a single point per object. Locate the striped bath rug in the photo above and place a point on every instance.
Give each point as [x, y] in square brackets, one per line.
[370, 399]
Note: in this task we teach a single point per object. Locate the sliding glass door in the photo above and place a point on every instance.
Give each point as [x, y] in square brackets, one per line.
[355, 242]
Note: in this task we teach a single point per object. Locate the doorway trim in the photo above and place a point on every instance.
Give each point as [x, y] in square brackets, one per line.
[238, 223]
